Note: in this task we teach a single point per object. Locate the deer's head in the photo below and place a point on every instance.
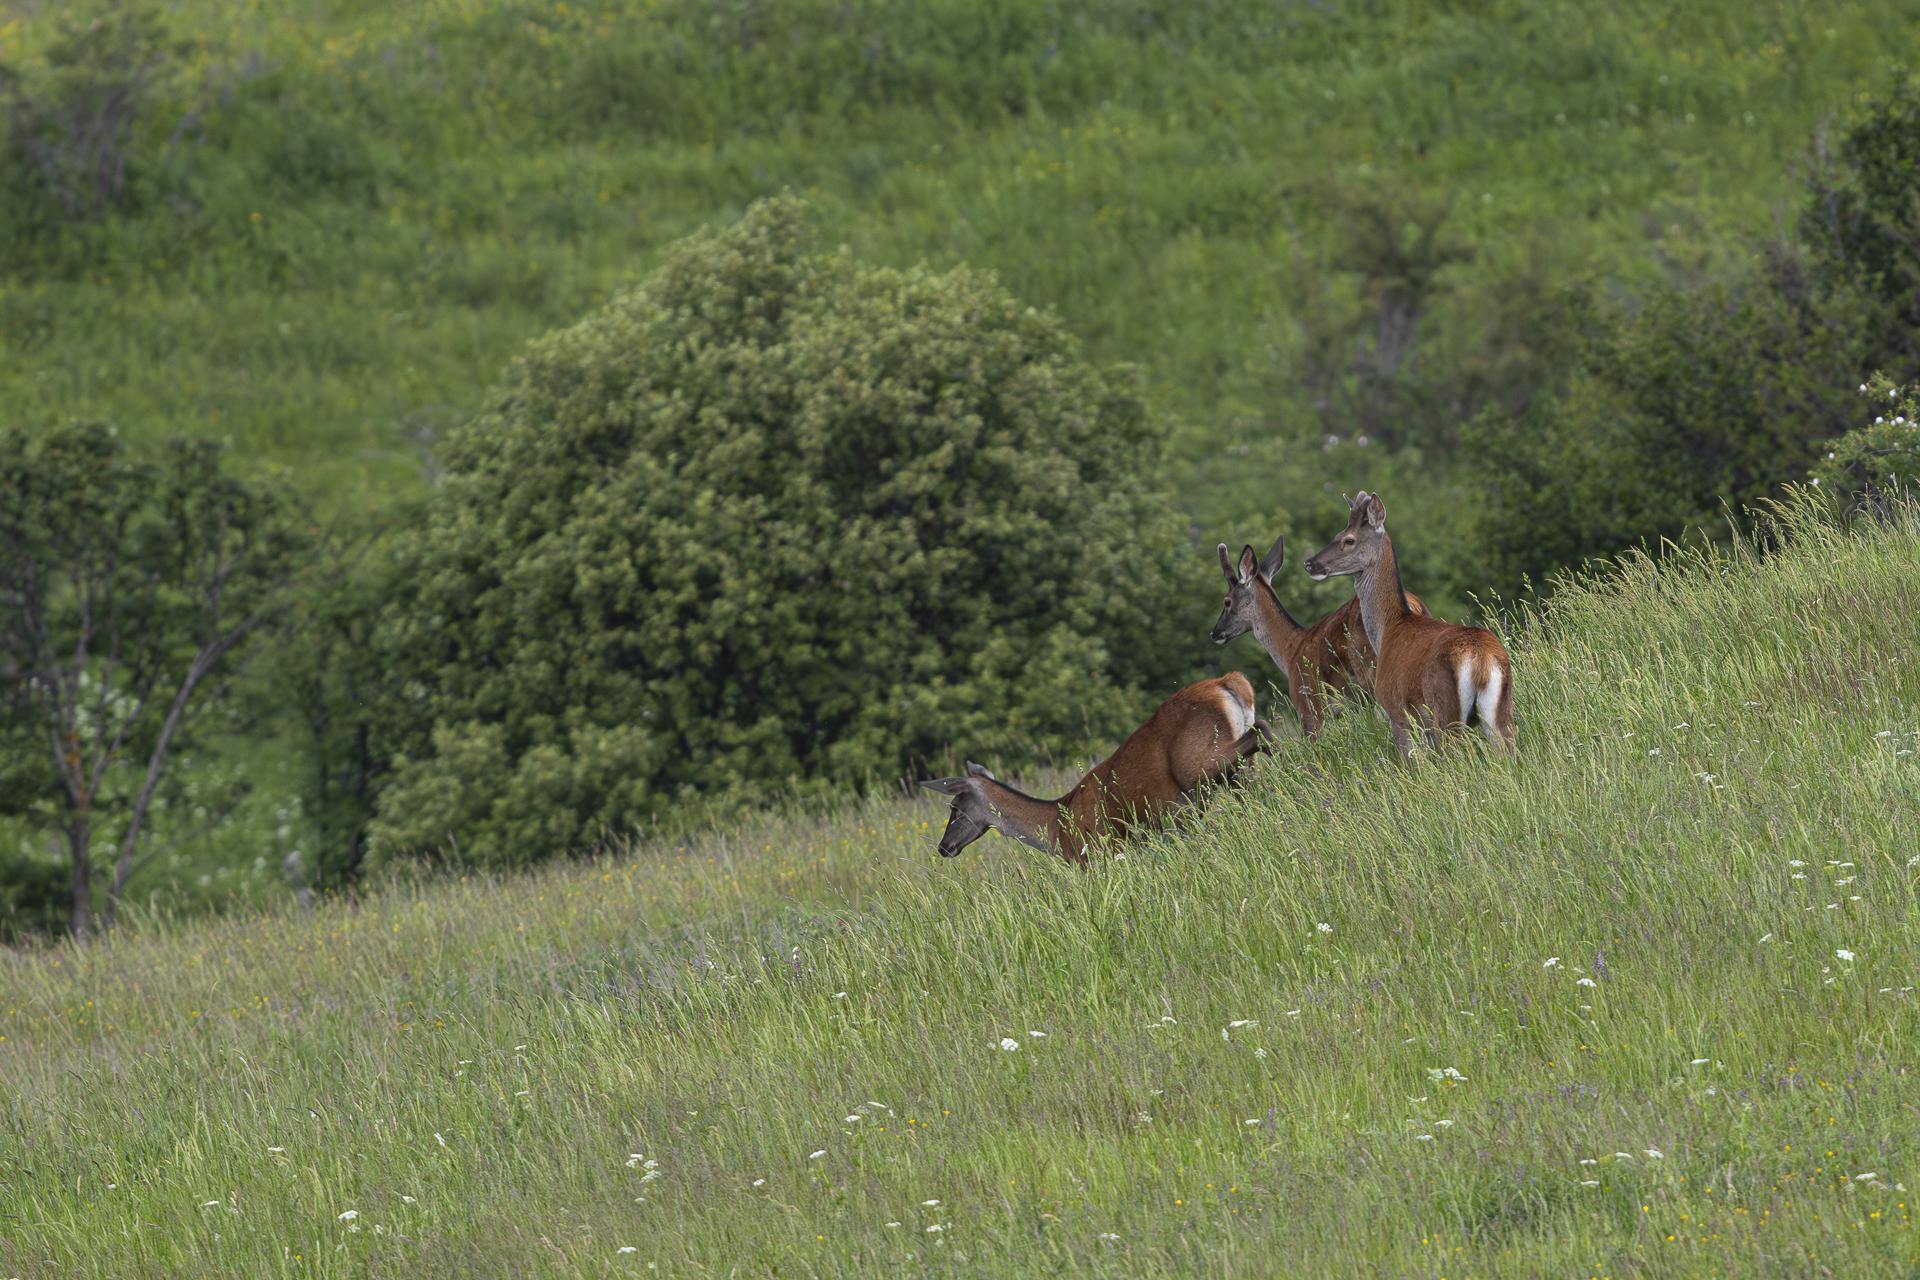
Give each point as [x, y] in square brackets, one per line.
[1236, 612]
[1357, 547]
[972, 814]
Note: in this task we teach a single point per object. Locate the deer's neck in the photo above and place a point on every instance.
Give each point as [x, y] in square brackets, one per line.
[1383, 601]
[1026, 818]
[1274, 627]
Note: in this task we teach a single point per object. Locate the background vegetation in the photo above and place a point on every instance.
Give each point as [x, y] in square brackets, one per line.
[1640, 1001]
[1562, 279]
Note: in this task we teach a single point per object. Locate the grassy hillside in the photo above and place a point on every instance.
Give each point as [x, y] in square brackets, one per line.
[1638, 1002]
[374, 206]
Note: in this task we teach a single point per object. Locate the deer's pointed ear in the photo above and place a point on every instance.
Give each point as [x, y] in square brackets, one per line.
[1375, 511]
[1226, 562]
[946, 786]
[1275, 557]
[1248, 565]
[980, 771]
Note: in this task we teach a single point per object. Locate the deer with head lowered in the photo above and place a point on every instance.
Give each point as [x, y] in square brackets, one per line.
[1322, 660]
[1433, 674]
[1198, 736]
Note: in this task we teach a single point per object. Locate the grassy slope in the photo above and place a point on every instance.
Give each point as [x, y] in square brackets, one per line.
[1715, 794]
[392, 199]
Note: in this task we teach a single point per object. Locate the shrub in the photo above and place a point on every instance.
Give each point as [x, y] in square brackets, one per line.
[774, 518]
[72, 150]
[1873, 462]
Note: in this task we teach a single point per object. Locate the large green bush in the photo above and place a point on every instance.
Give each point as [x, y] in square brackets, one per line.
[771, 519]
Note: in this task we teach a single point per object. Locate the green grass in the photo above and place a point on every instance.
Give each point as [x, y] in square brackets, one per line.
[391, 200]
[388, 202]
[1714, 795]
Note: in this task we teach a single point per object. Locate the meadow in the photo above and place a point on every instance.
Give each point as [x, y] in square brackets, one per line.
[347, 219]
[1638, 1001]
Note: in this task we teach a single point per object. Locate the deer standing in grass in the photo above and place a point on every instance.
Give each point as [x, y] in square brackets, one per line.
[1199, 735]
[1435, 674]
[1323, 660]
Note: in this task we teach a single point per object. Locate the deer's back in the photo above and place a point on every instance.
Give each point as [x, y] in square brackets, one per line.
[1157, 764]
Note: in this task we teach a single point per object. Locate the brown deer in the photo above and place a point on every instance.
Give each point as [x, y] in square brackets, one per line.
[1433, 673]
[1199, 735]
[1323, 660]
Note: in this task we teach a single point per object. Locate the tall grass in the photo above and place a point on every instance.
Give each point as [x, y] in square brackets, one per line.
[1639, 1001]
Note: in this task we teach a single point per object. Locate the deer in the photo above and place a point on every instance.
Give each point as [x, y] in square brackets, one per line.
[1438, 675]
[1200, 735]
[1324, 659]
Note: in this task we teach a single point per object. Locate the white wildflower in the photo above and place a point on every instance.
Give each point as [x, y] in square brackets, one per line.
[936, 1227]
[1324, 927]
[1700, 1062]
[1109, 1235]
[928, 1204]
[1865, 1177]
[1590, 1182]
[348, 1216]
[627, 1248]
[1844, 954]
[1423, 1137]
[1552, 962]
[406, 1199]
[759, 1182]
[208, 1204]
[1655, 1153]
[816, 1155]
[1036, 1035]
[1009, 1043]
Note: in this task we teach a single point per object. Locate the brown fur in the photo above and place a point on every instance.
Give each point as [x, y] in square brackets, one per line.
[1416, 680]
[1321, 661]
[1162, 766]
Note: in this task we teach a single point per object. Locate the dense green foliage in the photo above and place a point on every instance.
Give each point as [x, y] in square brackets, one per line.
[771, 519]
[130, 589]
[1668, 950]
[1705, 400]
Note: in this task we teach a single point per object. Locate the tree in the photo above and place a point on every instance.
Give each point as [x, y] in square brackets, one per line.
[1703, 402]
[773, 519]
[129, 589]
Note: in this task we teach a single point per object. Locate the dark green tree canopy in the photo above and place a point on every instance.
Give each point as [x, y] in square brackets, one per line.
[773, 518]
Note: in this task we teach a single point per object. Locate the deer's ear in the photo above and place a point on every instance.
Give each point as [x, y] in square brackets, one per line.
[1248, 565]
[946, 786]
[1226, 562]
[980, 771]
[1375, 511]
[1275, 557]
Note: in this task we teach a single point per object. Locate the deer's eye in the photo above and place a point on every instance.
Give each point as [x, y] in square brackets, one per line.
[1349, 539]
